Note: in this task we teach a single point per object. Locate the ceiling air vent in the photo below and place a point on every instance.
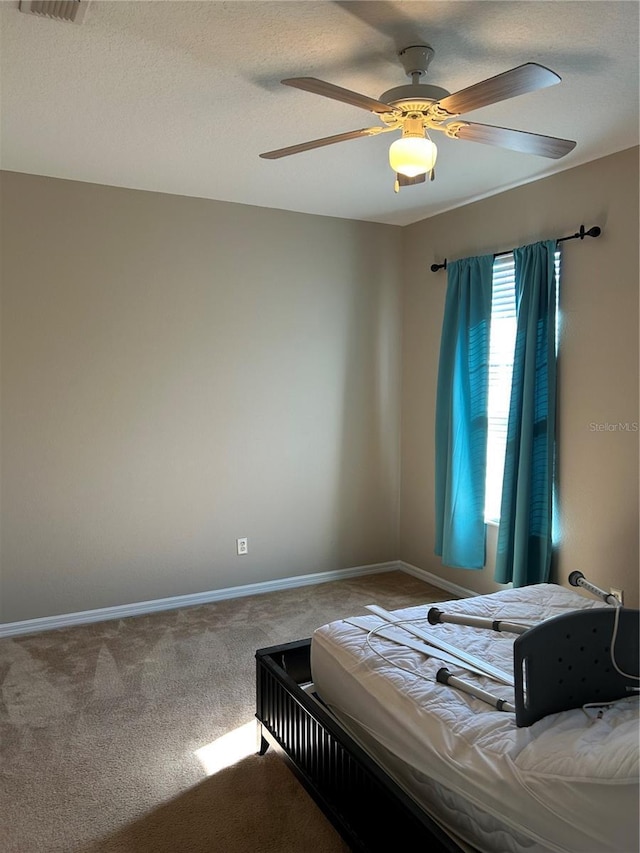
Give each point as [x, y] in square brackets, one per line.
[58, 10]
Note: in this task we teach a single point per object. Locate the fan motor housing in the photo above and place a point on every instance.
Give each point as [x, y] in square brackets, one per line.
[414, 96]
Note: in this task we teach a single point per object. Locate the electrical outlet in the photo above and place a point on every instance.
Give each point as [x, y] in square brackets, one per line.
[243, 545]
[619, 594]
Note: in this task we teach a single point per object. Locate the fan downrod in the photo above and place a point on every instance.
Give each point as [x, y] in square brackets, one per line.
[415, 96]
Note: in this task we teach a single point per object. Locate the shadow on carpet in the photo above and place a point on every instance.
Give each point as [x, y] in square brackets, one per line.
[255, 805]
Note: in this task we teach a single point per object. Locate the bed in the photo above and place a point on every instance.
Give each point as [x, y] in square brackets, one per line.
[387, 750]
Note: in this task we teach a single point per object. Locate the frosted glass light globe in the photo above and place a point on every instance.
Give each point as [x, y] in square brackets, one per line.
[412, 155]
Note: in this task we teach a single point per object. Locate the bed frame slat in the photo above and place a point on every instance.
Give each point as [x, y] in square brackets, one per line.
[361, 800]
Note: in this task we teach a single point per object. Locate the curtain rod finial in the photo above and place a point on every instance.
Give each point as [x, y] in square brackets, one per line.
[592, 232]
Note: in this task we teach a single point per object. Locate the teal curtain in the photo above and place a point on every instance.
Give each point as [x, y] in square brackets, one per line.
[461, 414]
[524, 537]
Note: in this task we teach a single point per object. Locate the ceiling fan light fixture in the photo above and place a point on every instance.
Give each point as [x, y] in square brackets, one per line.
[416, 106]
[412, 155]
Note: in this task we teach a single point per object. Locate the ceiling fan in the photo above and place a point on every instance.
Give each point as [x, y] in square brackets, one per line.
[416, 108]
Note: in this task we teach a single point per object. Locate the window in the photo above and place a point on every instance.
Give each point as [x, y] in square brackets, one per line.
[502, 341]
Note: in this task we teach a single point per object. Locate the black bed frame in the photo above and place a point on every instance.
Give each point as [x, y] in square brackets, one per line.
[367, 807]
[566, 662]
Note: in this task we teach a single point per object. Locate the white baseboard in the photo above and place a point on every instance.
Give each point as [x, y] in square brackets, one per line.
[84, 617]
[434, 580]
[140, 608]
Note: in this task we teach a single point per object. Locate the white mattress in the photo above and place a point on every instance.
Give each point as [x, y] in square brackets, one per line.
[569, 783]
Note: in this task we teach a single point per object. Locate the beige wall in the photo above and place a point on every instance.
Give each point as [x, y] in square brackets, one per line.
[598, 368]
[177, 373]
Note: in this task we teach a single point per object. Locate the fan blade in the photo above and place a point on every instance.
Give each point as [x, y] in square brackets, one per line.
[525, 78]
[517, 140]
[404, 181]
[319, 87]
[327, 140]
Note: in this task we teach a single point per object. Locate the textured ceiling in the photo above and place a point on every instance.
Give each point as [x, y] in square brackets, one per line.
[181, 97]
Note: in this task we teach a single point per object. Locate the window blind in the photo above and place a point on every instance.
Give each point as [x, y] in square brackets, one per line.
[502, 342]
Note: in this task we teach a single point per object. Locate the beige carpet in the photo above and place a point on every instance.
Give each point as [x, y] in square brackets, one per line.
[114, 736]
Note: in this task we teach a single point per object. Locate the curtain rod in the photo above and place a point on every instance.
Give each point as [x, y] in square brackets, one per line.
[579, 235]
